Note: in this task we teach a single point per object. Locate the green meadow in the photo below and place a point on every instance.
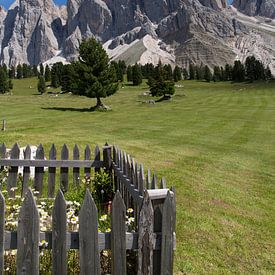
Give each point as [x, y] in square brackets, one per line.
[215, 142]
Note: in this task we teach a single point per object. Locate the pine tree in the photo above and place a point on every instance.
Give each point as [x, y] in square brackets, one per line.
[41, 86]
[25, 71]
[41, 69]
[4, 81]
[159, 86]
[129, 74]
[192, 73]
[228, 72]
[217, 74]
[47, 73]
[185, 74]
[34, 70]
[19, 71]
[12, 72]
[168, 72]
[238, 71]
[207, 75]
[177, 74]
[136, 75]
[95, 78]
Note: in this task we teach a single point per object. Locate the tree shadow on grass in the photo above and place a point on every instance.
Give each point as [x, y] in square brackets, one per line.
[65, 109]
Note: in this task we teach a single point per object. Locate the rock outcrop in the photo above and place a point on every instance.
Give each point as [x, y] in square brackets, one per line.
[265, 8]
[174, 31]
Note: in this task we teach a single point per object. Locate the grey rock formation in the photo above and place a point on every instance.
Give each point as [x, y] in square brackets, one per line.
[174, 31]
[264, 8]
[33, 32]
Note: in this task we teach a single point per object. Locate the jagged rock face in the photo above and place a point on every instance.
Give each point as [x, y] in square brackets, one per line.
[264, 8]
[174, 31]
[32, 32]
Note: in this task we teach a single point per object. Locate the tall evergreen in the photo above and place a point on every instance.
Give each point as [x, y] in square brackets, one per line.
[47, 73]
[25, 70]
[207, 75]
[4, 81]
[129, 74]
[41, 85]
[177, 74]
[34, 70]
[228, 72]
[19, 71]
[192, 73]
[217, 74]
[238, 71]
[136, 75]
[12, 72]
[185, 73]
[168, 72]
[41, 69]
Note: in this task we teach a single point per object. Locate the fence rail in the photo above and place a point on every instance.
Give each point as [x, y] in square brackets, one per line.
[154, 208]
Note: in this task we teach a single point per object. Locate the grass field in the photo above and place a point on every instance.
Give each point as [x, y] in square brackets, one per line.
[214, 142]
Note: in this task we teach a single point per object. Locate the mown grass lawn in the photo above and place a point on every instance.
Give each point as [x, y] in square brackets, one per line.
[214, 142]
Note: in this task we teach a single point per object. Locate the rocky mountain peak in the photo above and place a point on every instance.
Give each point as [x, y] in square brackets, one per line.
[265, 8]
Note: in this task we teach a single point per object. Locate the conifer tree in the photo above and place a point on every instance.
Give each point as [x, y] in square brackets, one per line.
[4, 81]
[177, 74]
[41, 86]
[19, 71]
[192, 73]
[129, 74]
[136, 75]
[207, 74]
[47, 73]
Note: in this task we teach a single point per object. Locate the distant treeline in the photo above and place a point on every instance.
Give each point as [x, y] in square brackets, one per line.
[59, 74]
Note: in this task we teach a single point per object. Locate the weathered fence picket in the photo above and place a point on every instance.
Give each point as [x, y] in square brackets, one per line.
[52, 173]
[26, 171]
[27, 260]
[88, 237]
[39, 171]
[12, 177]
[118, 236]
[59, 228]
[3, 152]
[64, 171]
[2, 232]
[154, 212]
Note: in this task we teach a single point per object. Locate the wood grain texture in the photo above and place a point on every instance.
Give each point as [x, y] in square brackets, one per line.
[12, 177]
[28, 237]
[87, 156]
[167, 251]
[52, 173]
[59, 228]
[2, 232]
[145, 239]
[26, 171]
[64, 171]
[3, 152]
[39, 171]
[76, 170]
[88, 237]
[97, 157]
[118, 241]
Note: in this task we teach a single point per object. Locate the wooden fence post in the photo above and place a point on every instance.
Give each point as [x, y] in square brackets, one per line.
[12, 177]
[3, 151]
[39, 171]
[76, 174]
[88, 237]
[52, 173]
[26, 171]
[2, 232]
[59, 230]
[4, 124]
[28, 237]
[64, 176]
[118, 236]
[87, 156]
[107, 159]
[145, 237]
[97, 157]
[167, 241]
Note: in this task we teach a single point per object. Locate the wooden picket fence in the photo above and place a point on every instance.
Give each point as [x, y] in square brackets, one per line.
[155, 214]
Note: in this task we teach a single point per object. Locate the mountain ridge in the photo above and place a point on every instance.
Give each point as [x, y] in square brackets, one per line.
[175, 31]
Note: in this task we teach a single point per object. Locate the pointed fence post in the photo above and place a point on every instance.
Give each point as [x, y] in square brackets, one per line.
[3, 152]
[88, 237]
[12, 177]
[76, 175]
[118, 236]
[167, 231]
[39, 171]
[4, 124]
[52, 173]
[59, 229]
[2, 232]
[87, 155]
[97, 157]
[145, 237]
[64, 171]
[28, 237]
[107, 159]
[26, 171]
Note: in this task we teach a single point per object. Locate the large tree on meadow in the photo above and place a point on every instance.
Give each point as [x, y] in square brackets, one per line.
[93, 75]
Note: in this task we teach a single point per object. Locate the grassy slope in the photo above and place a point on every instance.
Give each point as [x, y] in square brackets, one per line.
[214, 142]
